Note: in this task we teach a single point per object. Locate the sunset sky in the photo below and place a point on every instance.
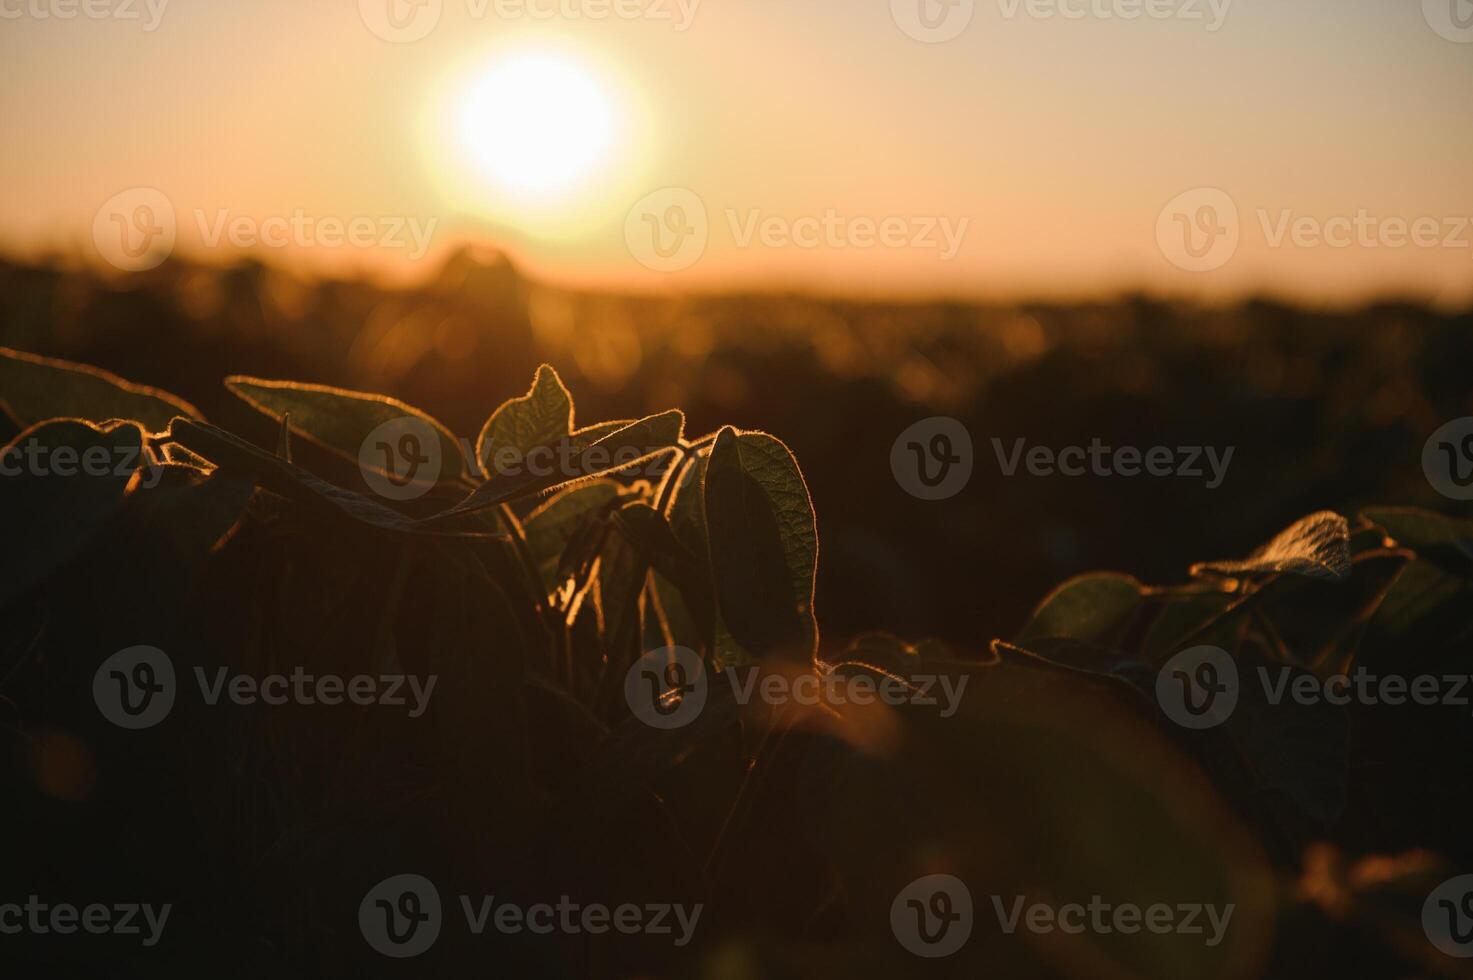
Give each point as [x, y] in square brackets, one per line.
[817, 144]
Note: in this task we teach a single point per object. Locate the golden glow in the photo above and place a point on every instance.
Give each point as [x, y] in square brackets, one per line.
[537, 141]
[537, 124]
[765, 110]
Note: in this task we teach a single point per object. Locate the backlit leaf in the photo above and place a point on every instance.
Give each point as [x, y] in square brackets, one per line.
[341, 421]
[289, 480]
[1180, 620]
[553, 525]
[34, 389]
[1096, 607]
[541, 417]
[619, 450]
[1317, 546]
[764, 546]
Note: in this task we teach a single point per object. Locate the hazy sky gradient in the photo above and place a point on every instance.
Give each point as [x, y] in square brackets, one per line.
[1058, 140]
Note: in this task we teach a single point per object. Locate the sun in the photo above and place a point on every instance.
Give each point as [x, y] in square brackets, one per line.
[537, 143]
[537, 125]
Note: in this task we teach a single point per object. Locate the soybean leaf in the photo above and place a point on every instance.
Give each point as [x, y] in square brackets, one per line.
[551, 527]
[35, 388]
[1446, 540]
[686, 515]
[1317, 546]
[1097, 660]
[341, 421]
[590, 434]
[1180, 619]
[289, 480]
[1097, 607]
[619, 450]
[687, 509]
[622, 571]
[648, 530]
[61, 481]
[174, 453]
[676, 566]
[541, 417]
[763, 546]
[1422, 622]
[582, 549]
[1318, 621]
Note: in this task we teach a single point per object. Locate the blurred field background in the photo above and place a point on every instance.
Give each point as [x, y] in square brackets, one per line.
[1324, 409]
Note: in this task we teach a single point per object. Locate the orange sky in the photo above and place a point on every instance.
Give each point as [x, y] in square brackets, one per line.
[1318, 149]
